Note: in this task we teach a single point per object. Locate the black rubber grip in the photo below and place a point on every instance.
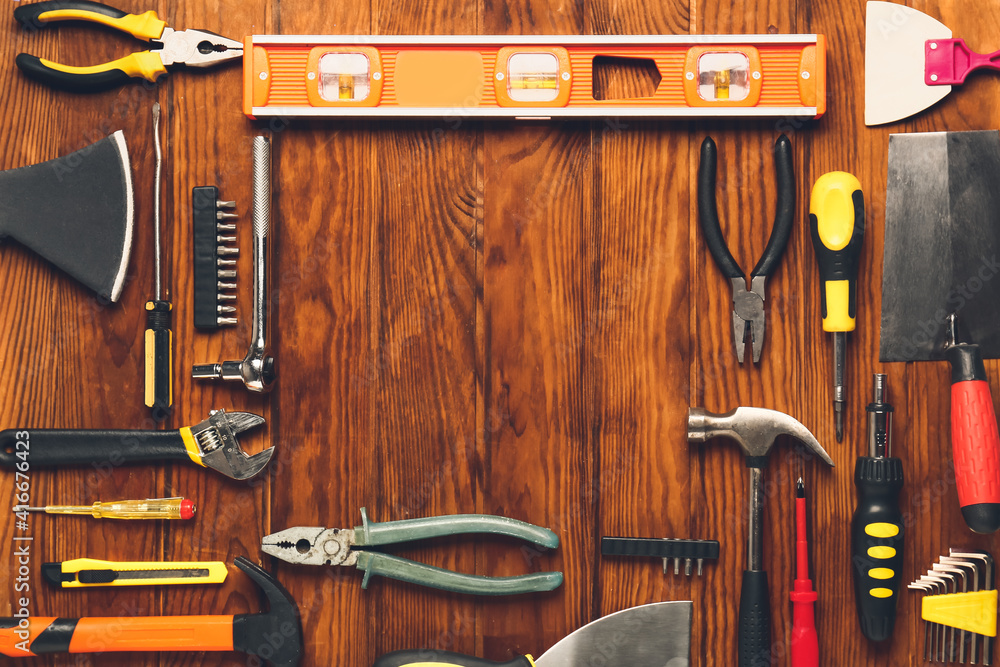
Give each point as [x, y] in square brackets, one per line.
[755, 621]
[28, 15]
[33, 67]
[55, 638]
[51, 447]
[53, 575]
[784, 213]
[837, 265]
[660, 547]
[966, 362]
[443, 658]
[878, 482]
[708, 212]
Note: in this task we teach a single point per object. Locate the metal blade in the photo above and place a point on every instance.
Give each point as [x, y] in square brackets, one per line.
[894, 62]
[652, 635]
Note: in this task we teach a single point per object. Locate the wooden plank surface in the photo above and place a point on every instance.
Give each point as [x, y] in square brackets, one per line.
[501, 317]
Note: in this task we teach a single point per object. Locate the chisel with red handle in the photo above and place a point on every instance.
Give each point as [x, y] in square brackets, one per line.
[975, 440]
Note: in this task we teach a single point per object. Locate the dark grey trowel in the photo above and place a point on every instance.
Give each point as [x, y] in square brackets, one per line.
[76, 211]
[942, 243]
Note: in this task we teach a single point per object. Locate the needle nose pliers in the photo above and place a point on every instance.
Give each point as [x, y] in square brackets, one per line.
[748, 305]
[193, 48]
[335, 546]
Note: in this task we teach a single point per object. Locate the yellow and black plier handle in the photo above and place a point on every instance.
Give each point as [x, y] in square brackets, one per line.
[188, 47]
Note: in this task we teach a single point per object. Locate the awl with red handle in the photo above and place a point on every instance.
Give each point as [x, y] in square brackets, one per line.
[975, 440]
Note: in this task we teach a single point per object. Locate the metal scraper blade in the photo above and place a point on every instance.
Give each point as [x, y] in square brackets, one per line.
[942, 243]
[895, 36]
[651, 635]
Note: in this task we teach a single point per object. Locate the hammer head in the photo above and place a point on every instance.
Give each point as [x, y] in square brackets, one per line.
[755, 429]
[275, 635]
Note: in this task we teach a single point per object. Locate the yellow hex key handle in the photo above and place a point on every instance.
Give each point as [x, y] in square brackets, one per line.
[157, 508]
[837, 227]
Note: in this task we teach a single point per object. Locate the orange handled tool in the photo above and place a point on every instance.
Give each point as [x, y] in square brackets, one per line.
[974, 437]
[275, 636]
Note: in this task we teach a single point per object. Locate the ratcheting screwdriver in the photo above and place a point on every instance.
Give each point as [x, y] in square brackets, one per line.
[975, 439]
[877, 526]
[804, 642]
[153, 508]
[837, 226]
[159, 339]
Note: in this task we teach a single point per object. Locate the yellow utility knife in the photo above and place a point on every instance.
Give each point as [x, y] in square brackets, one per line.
[88, 573]
[651, 635]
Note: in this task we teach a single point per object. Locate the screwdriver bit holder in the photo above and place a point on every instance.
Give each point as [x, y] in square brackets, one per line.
[214, 259]
[668, 549]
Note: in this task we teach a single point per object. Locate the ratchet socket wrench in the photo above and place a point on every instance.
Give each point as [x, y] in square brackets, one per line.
[256, 370]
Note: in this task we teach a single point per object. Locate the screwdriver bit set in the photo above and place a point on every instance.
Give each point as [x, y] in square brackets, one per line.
[959, 608]
[215, 253]
[669, 549]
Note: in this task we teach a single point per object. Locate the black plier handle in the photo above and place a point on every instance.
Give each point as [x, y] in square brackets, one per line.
[783, 216]
[194, 48]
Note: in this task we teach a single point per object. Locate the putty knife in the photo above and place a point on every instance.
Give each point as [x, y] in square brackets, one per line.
[942, 243]
[911, 62]
[651, 635]
[75, 211]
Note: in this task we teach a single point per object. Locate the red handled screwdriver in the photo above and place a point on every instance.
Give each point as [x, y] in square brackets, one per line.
[805, 645]
[975, 441]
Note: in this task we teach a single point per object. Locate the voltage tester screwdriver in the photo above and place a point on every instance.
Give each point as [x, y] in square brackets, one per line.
[155, 508]
[159, 339]
[877, 527]
[837, 227]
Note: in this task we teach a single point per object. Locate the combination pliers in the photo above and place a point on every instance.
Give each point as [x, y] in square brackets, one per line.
[335, 546]
[748, 305]
[168, 47]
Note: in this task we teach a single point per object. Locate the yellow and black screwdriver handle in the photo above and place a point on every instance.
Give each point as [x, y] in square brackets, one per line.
[431, 658]
[158, 346]
[837, 227]
[144, 64]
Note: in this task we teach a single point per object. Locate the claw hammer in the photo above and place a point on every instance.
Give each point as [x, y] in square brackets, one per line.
[755, 430]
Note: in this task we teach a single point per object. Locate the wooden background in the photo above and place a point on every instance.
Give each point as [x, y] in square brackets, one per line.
[498, 317]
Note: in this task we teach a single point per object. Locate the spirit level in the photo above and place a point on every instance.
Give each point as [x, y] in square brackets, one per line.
[532, 77]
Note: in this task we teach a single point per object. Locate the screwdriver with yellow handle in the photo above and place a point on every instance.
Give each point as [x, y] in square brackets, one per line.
[156, 508]
[159, 338]
[837, 226]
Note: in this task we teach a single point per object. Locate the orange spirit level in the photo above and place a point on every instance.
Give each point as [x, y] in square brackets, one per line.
[534, 77]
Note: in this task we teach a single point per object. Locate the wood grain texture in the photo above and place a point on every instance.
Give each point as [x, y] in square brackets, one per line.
[501, 317]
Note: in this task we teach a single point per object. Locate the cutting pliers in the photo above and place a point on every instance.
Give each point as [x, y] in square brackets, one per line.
[748, 305]
[335, 546]
[193, 48]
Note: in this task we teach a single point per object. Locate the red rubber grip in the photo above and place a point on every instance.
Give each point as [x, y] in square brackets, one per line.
[975, 443]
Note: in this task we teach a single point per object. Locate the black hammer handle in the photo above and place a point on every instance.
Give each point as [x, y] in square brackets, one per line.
[755, 621]
[51, 447]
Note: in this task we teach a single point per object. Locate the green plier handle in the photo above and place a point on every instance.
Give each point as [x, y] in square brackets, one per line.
[378, 564]
[370, 534]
